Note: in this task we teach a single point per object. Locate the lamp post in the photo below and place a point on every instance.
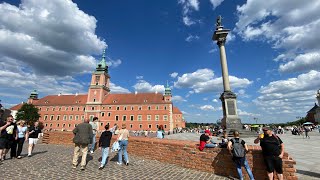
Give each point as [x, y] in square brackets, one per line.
[256, 119]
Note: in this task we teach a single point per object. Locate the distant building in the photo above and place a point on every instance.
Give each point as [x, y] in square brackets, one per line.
[139, 111]
[4, 113]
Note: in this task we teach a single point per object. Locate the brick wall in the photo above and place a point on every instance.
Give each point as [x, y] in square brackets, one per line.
[186, 154]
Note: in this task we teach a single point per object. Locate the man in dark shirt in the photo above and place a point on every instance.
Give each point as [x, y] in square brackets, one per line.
[34, 132]
[272, 150]
[104, 144]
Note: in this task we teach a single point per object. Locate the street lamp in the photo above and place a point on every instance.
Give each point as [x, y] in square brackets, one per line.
[256, 119]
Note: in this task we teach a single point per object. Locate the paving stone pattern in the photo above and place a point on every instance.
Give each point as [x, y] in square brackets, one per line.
[54, 162]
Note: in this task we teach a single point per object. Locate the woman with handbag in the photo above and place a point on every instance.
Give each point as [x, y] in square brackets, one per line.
[123, 137]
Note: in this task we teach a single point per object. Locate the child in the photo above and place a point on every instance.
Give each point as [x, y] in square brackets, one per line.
[104, 144]
[224, 140]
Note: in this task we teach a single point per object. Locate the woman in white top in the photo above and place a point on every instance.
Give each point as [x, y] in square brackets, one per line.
[22, 136]
[123, 137]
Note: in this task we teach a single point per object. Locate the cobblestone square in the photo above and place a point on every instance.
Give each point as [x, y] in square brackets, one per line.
[54, 162]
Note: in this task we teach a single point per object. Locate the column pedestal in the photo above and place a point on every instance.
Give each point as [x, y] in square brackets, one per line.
[230, 118]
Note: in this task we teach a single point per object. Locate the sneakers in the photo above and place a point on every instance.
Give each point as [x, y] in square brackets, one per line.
[29, 155]
[74, 166]
[101, 167]
[127, 163]
[119, 163]
[19, 157]
[82, 168]
[91, 152]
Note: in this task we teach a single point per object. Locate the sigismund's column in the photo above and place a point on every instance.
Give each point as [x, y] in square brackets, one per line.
[230, 118]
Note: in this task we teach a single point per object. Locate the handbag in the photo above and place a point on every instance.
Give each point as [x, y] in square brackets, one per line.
[115, 146]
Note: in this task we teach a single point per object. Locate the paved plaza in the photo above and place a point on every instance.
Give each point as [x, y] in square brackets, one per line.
[306, 152]
[54, 162]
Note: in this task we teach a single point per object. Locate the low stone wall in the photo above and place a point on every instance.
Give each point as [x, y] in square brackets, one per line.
[186, 154]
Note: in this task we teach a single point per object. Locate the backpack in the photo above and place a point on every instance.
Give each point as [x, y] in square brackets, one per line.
[238, 149]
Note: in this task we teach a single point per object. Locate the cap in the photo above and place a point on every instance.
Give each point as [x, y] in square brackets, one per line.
[207, 131]
[266, 128]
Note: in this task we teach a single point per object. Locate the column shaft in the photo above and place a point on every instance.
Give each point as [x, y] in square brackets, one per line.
[224, 67]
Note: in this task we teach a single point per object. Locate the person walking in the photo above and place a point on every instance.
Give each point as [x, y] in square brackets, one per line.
[123, 138]
[238, 148]
[306, 131]
[272, 150]
[82, 138]
[94, 125]
[33, 135]
[160, 132]
[7, 129]
[22, 136]
[104, 144]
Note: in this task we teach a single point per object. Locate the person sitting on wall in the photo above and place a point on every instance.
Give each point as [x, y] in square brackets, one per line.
[206, 141]
[224, 140]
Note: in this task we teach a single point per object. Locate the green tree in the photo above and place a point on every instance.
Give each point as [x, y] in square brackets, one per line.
[29, 113]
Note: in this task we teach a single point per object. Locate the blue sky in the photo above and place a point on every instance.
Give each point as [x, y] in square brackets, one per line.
[272, 52]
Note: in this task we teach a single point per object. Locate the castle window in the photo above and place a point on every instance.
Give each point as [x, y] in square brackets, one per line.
[131, 117]
[149, 117]
[51, 117]
[139, 117]
[82, 118]
[47, 109]
[45, 117]
[157, 126]
[50, 125]
[92, 108]
[84, 108]
[102, 114]
[53, 109]
[67, 108]
[39, 109]
[72, 109]
[94, 100]
[157, 107]
[76, 117]
[124, 118]
[91, 117]
[65, 117]
[46, 125]
[131, 125]
[117, 118]
[131, 108]
[59, 108]
[157, 117]
[140, 126]
[118, 108]
[149, 107]
[145, 100]
[70, 117]
[125, 108]
[165, 126]
[109, 114]
[150, 126]
[58, 117]
[140, 107]
[165, 117]
[110, 107]
[165, 107]
[64, 125]
[58, 125]
[101, 124]
[78, 109]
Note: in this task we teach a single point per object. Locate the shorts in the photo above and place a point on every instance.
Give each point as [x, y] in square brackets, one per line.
[273, 163]
[33, 140]
[5, 143]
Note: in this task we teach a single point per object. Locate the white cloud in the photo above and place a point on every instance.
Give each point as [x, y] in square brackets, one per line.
[213, 50]
[216, 3]
[117, 89]
[62, 47]
[114, 63]
[290, 25]
[192, 38]
[244, 113]
[207, 108]
[139, 77]
[187, 21]
[292, 96]
[174, 74]
[205, 99]
[214, 100]
[144, 86]
[187, 7]
[302, 63]
[178, 99]
[203, 80]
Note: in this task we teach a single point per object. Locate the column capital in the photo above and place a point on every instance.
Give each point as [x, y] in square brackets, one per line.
[221, 41]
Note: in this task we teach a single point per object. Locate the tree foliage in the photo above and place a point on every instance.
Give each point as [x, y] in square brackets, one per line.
[29, 113]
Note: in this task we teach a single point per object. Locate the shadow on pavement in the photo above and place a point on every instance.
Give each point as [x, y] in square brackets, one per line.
[308, 173]
[41, 152]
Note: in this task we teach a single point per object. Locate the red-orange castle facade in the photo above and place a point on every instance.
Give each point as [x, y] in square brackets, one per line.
[139, 111]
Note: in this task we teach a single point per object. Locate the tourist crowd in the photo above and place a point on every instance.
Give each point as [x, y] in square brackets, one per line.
[14, 134]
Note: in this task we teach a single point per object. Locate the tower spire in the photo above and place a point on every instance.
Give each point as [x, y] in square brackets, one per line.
[102, 66]
[167, 90]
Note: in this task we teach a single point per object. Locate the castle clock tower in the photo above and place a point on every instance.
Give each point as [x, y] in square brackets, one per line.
[99, 86]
